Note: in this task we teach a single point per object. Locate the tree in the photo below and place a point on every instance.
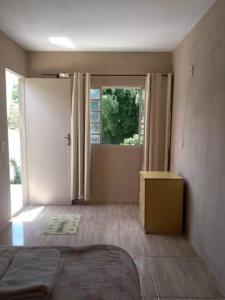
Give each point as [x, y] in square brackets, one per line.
[134, 140]
[14, 116]
[120, 114]
[16, 172]
[15, 93]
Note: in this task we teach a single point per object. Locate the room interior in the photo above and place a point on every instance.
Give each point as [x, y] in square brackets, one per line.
[175, 51]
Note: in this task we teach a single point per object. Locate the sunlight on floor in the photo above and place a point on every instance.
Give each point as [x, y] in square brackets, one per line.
[28, 216]
[16, 198]
[18, 224]
[17, 234]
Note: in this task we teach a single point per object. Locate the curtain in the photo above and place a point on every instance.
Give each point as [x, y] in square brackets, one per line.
[157, 122]
[80, 137]
[168, 120]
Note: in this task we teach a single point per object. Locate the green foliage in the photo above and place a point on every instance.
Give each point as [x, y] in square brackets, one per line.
[17, 172]
[15, 93]
[14, 116]
[14, 113]
[134, 140]
[120, 111]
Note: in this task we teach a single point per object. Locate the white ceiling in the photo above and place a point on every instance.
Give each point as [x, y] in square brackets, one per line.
[100, 25]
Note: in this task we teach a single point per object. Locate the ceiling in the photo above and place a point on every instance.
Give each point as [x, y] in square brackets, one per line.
[100, 25]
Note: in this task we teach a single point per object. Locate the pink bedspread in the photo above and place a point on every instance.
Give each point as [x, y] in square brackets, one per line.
[98, 272]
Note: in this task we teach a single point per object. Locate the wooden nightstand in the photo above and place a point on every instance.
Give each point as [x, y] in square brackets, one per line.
[161, 202]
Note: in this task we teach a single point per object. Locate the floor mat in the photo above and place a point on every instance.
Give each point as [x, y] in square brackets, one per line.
[63, 224]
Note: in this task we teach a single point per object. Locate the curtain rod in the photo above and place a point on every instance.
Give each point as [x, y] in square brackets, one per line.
[101, 75]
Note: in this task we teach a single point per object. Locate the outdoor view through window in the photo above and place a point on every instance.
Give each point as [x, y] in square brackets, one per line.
[14, 140]
[117, 116]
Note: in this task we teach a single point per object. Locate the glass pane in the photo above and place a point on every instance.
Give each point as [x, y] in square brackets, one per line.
[95, 116]
[95, 94]
[95, 139]
[142, 106]
[142, 118]
[142, 131]
[143, 94]
[95, 105]
[142, 126]
[141, 139]
[95, 128]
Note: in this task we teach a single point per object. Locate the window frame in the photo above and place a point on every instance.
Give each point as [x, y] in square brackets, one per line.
[99, 111]
[141, 135]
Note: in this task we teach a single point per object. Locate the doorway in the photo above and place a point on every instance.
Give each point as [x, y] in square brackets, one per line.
[14, 99]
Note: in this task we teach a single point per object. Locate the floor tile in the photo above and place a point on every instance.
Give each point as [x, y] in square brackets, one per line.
[131, 242]
[120, 225]
[166, 245]
[146, 281]
[183, 277]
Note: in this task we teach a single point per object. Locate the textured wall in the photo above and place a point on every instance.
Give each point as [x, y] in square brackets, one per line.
[199, 119]
[98, 62]
[115, 169]
[12, 57]
[115, 173]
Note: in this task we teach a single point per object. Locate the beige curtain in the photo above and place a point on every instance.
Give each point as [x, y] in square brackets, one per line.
[80, 138]
[157, 122]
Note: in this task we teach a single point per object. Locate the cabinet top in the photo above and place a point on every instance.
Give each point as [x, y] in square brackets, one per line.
[159, 175]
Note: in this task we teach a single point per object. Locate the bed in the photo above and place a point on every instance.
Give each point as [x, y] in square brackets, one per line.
[97, 272]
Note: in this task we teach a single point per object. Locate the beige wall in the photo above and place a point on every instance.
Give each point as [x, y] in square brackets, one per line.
[199, 118]
[116, 186]
[115, 173]
[101, 63]
[12, 57]
[115, 169]
[98, 62]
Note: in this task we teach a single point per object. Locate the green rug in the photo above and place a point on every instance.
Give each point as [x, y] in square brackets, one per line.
[63, 224]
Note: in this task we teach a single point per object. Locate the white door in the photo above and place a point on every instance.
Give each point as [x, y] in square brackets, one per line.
[48, 111]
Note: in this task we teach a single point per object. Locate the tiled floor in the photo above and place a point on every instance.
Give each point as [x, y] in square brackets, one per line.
[168, 266]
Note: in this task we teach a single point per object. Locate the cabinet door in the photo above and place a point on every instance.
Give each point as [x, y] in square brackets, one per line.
[164, 206]
[142, 201]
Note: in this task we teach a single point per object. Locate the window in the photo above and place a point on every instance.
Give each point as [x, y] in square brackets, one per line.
[117, 116]
[142, 117]
[95, 117]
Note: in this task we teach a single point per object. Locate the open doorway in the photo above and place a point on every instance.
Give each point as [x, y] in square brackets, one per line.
[14, 85]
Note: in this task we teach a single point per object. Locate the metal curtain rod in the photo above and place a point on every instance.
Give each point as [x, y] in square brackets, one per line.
[101, 75]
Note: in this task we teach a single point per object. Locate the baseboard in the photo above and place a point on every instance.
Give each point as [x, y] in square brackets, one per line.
[90, 202]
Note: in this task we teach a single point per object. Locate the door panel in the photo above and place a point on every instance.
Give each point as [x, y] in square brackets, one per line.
[48, 109]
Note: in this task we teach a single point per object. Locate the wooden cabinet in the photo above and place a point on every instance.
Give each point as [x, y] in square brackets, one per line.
[161, 202]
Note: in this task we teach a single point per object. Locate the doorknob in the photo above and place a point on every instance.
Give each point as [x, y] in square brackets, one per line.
[68, 137]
